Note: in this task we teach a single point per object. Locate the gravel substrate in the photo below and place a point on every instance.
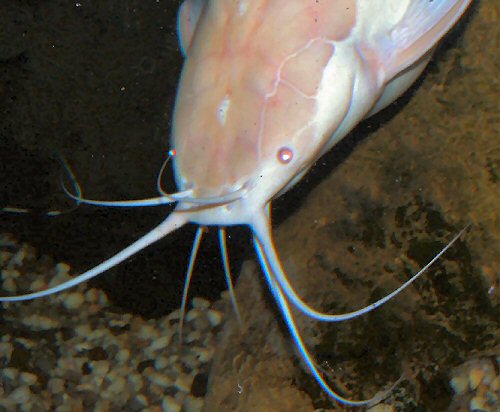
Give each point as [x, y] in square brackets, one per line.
[476, 385]
[73, 351]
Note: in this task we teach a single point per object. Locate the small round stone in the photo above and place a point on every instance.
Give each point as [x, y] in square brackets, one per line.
[170, 404]
[74, 300]
[28, 378]
[184, 382]
[200, 303]
[56, 385]
[214, 317]
[9, 285]
[20, 395]
[459, 385]
[192, 404]
[123, 355]
[476, 376]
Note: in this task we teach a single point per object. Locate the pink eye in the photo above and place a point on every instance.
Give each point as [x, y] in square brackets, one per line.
[285, 155]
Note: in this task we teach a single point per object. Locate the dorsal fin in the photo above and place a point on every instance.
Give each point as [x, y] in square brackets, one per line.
[187, 19]
[422, 26]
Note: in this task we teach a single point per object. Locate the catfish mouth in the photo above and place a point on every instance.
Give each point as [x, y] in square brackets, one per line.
[189, 197]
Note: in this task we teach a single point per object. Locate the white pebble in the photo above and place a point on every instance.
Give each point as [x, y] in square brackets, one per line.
[117, 385]
[200, 303]
[55, 385]
[9, 285]
[160, 343]
[192, 314]
[169, 404]
[74, 300]
[204, 354]
[100, 368]
[20, 395]
[459, 385]
[192, 404]
[214, 317]
[161, 362]
[10, 373]
[495, 384]
[135, 382]
[477, 403]
[39, 322]
[174, 315]
[117, 323]
[184, 382]
[147, 332]
[28, 378]
[38, 284]
[141, 399]
[10, 273]
[18, 258]
[192, 336]
[28, 344]
[381, 407]
[103, 299]
[6, 349]
[96, 334]
[475, 377]
[83, 330]
[62, 269]
[160, 379]
[123, 355]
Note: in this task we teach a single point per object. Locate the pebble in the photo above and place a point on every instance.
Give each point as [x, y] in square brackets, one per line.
[170, 404]
[192, 314]
[20, 395]
[135, 382]
[381, 407]
[10, 373]
[100, 360]
[161, 342]
[55, 385]
[459, 385]
[476, 376]
[39, 322]
[200, 303]
[100, 368]
[214, 317]
[117, 385]
[476, 385]
[38, 284]
[204, 354]
[28, 378]
[123, 355]
[161, 362]
[477, 403]
[184, 382]
[9, 285]
[74, 300]
[192, 404]
[192, 336]
[160, 379]
[6, 349]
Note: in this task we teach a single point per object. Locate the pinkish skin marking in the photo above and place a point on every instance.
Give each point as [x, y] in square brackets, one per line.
[225, 63]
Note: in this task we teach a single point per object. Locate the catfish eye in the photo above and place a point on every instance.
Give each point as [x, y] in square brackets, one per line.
[285, 155]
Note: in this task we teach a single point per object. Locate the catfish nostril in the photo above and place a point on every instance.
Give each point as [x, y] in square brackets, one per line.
[285, 155]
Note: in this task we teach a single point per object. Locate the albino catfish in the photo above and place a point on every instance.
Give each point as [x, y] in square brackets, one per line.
[269, 86]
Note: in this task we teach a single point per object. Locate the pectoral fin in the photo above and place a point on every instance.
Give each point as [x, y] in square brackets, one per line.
[187, 19]
[424, 23]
